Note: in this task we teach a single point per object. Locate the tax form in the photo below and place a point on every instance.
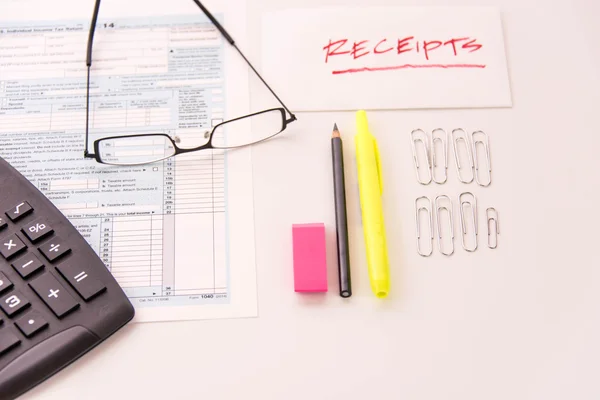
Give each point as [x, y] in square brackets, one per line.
[176, 234]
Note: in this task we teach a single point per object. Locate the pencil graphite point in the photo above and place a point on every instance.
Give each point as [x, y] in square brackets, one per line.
[336, 132]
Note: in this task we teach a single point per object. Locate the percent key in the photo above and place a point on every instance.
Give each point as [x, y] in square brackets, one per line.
[37, 230]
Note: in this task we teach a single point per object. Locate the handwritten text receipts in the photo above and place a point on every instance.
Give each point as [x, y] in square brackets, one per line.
[387, 57]
[407, 44]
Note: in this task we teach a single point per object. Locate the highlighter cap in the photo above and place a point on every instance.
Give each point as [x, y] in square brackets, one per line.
[362, 123]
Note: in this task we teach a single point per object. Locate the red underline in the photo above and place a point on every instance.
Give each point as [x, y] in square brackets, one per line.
[404, 66]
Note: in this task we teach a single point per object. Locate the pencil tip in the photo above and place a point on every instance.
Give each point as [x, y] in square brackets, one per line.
[335, 133]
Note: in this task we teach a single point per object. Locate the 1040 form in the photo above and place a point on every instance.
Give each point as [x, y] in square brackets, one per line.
[164, 229]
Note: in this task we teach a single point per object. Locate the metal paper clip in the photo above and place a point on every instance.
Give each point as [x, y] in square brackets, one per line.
[455, 141]
[444, 140]
[473, 205]
[486, 147]
[416, 157]
[492, 219]
[448, 208]
[418, 220]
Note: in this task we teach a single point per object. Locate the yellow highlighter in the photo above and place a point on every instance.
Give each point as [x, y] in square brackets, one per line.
[371, 188]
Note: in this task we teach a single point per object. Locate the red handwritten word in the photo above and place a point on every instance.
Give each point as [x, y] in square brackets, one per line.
[408, 44]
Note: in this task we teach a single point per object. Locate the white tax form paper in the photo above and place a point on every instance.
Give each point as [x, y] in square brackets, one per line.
[178, 235]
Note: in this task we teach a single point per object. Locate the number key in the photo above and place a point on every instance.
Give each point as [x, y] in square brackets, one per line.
[3, 223]
[4, 283]
[13, 302]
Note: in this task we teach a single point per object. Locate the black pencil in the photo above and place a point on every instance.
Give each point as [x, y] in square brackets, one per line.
[340, 214]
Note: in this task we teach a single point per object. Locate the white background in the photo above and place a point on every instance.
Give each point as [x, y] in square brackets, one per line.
[518, 322]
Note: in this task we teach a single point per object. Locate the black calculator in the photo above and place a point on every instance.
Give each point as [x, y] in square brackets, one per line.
[57, 298]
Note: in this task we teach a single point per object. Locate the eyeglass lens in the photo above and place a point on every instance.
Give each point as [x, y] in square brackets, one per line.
[133, 150]
[248, 130]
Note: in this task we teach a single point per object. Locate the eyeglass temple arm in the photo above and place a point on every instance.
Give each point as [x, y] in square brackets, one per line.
[232, 42]
[88, 62]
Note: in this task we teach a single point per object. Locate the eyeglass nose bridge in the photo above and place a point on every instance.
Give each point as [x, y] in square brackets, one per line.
[205, 137]
[177, 140]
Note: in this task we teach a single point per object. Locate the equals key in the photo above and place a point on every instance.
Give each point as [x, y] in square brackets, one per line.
[82, 280]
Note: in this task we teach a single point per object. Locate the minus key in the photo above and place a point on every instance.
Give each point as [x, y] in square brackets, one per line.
[27, 265]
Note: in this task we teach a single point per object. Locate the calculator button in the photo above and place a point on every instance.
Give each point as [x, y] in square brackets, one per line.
[27, 265]
[11, 246]
[5, 284]
[19, 211]
[3, 223]
[37, 230]
[8, 340]
[13, 302]
[54, 249]
[54, 295]
[83, 281]
[31, 323]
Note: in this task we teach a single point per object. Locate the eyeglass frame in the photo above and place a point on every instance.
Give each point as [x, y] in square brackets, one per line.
[182, 150]
[178, 150]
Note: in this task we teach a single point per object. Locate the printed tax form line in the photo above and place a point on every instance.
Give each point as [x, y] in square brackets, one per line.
[406, 66]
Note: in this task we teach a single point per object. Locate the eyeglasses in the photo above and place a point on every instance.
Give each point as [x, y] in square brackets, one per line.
[136, 149]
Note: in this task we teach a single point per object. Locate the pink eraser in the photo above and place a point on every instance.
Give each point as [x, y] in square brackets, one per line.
[310, 263]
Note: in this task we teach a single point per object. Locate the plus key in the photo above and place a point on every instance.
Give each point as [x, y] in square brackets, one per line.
[53, 294]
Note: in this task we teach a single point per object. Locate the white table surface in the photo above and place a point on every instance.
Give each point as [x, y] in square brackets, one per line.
[518, 322]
